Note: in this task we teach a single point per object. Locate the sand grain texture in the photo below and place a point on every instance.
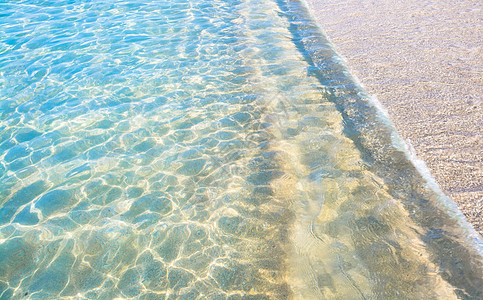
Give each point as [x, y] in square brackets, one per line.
[424, 62]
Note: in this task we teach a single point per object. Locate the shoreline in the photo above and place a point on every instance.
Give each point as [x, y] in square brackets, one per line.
[423, 62]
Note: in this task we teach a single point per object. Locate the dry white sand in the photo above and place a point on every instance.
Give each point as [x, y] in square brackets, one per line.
[424, 61]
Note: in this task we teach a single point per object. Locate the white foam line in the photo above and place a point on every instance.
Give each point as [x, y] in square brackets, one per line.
[450, 207]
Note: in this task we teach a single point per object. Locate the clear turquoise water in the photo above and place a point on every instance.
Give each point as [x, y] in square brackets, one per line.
[205, 149]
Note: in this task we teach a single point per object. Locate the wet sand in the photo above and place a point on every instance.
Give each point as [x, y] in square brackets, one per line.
[424, 62]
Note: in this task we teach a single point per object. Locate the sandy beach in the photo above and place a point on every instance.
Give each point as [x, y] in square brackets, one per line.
[424, 62]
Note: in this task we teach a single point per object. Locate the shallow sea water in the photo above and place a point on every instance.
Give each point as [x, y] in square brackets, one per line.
[206, 149]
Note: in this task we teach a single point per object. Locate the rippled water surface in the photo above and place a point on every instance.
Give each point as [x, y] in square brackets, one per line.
[206, 149]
